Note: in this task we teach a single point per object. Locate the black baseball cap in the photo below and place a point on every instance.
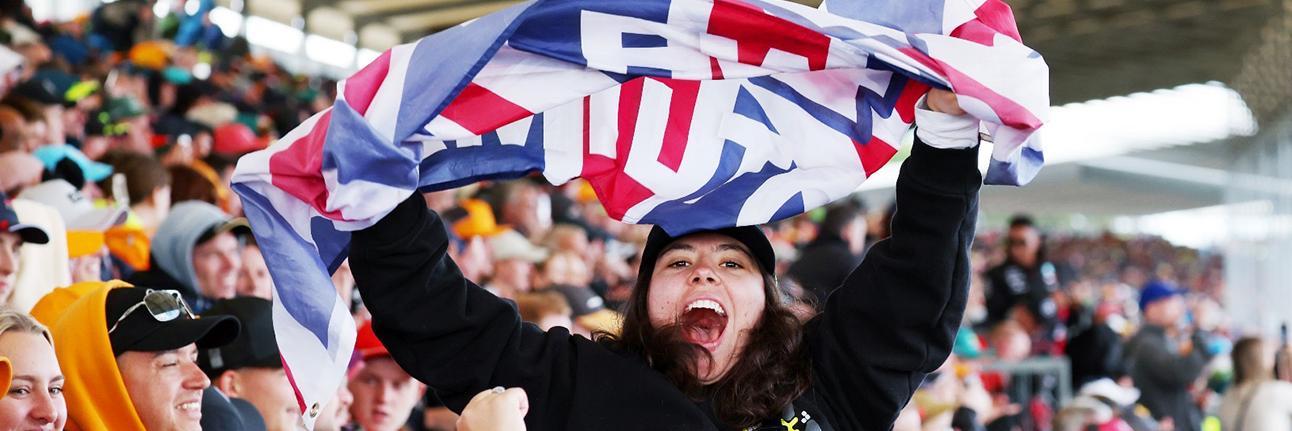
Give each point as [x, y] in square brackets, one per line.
[255, 345]
[751, 236]
[9, 223]
[141, 332]
[42, 92]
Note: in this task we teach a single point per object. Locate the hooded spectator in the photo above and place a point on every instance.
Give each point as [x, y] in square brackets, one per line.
[34, 395]
[197, 252]
[130, 356]
[251, 368]
[41, 266]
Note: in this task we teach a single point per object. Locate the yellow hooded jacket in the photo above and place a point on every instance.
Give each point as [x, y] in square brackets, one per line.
[95, 393]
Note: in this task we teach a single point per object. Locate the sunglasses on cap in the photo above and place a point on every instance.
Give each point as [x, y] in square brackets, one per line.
[163, 305]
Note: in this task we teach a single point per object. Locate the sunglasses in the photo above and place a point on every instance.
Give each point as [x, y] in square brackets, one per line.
[163, 305]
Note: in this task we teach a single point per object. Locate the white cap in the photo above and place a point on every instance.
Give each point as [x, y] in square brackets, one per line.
[77, 210]
[1107, 388]
[510, 244]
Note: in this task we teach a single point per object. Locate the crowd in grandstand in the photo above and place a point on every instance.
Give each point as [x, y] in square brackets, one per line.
[135, 296]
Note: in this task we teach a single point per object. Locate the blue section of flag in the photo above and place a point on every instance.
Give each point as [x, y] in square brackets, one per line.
[637, 40]
[296, 263]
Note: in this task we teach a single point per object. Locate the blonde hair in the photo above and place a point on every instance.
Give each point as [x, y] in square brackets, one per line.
[14, 320]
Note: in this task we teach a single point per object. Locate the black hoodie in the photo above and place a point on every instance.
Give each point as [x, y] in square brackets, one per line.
[892, 322]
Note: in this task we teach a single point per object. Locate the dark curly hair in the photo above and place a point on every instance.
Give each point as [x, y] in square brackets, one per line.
[769, 374]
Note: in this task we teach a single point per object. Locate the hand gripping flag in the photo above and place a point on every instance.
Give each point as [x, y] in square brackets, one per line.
[689, 114]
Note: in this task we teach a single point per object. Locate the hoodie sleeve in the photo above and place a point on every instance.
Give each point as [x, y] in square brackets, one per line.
[895, 317]
[443, 329]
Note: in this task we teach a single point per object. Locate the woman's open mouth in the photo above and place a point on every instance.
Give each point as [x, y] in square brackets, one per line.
[703, 322]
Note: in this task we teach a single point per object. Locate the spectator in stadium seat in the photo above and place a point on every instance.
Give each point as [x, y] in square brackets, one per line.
[253, 279]
[1025, 276]
[13, 130]
[147, 187]
[34, 399]
[197, 252]
[187, 184]
[1096, 353]
[86, 226]
[545, 308]
[250, 368]
[384, 394]
[514, 259]
[681, 364]
[130, 356]
[21, 171]
[13, 234]
[1164, 360]
[1256, 401]
[825, 262]
[525, 208]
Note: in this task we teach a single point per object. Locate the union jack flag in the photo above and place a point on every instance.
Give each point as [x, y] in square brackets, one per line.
[689, 114]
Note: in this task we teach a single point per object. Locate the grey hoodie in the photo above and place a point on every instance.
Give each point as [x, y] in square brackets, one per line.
[172, 246]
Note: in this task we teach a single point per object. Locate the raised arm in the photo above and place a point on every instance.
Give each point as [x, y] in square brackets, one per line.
[895, 317]
[446, 331]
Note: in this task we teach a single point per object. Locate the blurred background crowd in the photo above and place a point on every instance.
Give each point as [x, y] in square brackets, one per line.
[120, 130]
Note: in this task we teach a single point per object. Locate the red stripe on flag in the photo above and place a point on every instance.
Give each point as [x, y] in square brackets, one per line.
[298, 170]
[677, 131]
[479, 110]
[874, 155]
[756, 33]
[617, 190]
[715, 68]
[994, 16]
[587, 124]
[300, 400]
[630, 103]
[911, 94]
[362, 86]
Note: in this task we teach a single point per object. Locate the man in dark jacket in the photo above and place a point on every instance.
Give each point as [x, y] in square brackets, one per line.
[1165, 361]
[1024, 284]
[826, 261]
[890, 324]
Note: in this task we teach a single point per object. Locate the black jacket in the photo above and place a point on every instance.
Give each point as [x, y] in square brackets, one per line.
[891, 323]
[1164, 376]
[823, 265]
